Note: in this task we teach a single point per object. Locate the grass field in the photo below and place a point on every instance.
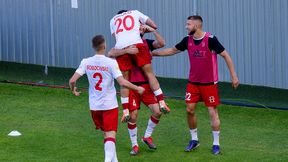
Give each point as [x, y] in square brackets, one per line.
[56, 126]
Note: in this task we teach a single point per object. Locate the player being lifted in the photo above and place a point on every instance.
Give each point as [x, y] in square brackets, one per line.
[137, 77]
[125, 29]
[101, 72]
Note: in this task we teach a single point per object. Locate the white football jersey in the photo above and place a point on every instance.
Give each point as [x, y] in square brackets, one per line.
[126, 27]
[101, 72]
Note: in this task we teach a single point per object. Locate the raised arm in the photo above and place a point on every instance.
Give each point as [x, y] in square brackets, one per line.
[229, 62]
[166, 52]
[151, 23]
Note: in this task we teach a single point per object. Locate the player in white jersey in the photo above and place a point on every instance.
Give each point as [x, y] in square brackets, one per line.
[101, 72]
[125, 28]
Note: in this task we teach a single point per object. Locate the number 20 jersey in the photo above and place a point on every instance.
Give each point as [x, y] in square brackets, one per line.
[126, 26]
[101, 72]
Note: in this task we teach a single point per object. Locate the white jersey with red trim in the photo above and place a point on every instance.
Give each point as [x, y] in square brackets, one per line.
[126, 26]
[101, 72]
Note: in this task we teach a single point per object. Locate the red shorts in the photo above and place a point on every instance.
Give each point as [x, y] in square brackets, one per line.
[106, 120]
[127, 61]
[207, 93]
[147, 98]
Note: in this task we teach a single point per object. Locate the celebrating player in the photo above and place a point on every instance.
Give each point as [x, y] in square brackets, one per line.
[137, 77]
[202, 48]
[101, 72]
[125, 29]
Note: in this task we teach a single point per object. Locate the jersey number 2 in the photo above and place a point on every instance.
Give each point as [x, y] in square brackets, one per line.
[119, 21]
[97, 86]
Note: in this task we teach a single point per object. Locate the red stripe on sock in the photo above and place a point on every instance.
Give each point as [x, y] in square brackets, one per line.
[154, 120]
[110, 139]
[132, 126]
[125, 105]
[160, 97]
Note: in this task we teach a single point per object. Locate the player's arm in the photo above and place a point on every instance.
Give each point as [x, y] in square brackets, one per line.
[229, 62]
[123, 82]
[166, 52]
[151, 23]
[118, 52]
[72, 83]
[146, 20]
[159, 41]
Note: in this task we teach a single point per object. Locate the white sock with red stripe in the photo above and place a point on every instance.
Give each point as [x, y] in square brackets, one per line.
[132, 129]
[150, 127]
[125, 102]
[159, 94]
[110, 150]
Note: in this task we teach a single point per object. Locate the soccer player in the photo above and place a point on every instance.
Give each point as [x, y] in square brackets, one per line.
[101, 72]
[202, 48]
[125, 29]
[137, 77]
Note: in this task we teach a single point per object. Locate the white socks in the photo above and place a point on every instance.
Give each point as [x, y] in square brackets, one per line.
[132, 129]
[110, 150]
[194, 134]
[216, 137]
[150, 127]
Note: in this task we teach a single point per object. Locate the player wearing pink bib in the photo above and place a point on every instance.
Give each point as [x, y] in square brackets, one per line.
[203, 76]
[137, 77]
[125, 28]
[101, 72]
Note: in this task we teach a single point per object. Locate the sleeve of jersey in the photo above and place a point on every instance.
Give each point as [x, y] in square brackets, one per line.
[150, 44]
[115, 69]
[215, 45]
[143, 18]
[81, 69]
[182, 46]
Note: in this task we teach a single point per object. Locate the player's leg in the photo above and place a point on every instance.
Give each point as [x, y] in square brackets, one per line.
[192, 123]
[124, 92]
[109, 146]
[152, 123]
[191, 98]
[134, 104]
[211, 99]
[125, 65]
[110, 126]
[155, 86]
[132, 129]
[215, 124]
[143, 60]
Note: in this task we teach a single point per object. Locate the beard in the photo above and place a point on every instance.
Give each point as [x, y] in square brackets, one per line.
[192, 32]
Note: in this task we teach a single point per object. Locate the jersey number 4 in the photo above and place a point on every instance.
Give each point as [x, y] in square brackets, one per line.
[120, 27]
[97, 86]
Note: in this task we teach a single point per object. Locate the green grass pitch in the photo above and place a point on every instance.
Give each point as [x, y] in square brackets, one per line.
[56, 126]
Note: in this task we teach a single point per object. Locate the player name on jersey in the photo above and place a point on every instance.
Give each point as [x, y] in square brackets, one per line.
[119, 15]
[100, 68]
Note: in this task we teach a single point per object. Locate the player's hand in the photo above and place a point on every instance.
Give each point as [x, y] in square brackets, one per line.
[125, 117]
[132, 50]
[76, 92]
[235, 82]
[148, 29]
[140, 90]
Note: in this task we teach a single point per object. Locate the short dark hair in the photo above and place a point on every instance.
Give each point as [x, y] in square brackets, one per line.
[97, 41]
[121, 11]
[195, 17]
